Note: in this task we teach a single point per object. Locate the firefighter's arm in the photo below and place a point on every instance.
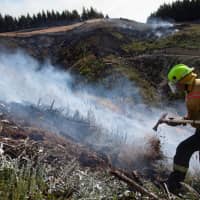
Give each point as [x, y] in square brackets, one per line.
[171, 122]
[191, 109]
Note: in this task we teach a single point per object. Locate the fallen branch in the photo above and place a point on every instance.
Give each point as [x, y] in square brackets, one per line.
[167, 191]
[136, 177]
[133, 184]
[72, 167]
[191, 189]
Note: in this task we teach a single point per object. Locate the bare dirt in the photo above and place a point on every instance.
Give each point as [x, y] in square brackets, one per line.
[31, 139]
[67, 158]
[97, 23]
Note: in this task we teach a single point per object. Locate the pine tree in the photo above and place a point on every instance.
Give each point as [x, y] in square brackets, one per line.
[22, 22]
[48, 18]
[28, 21]
[179, 11]
[44, 17]
[84, 15]
[34, 21]
[75, 15]
[2, 24]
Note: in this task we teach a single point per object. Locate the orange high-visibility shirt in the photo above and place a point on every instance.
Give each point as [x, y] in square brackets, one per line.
[193, 102]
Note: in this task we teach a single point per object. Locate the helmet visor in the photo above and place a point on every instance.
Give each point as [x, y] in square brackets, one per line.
[173, 87]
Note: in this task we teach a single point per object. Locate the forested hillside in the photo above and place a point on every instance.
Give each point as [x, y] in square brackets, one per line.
[46, 19]
[179, 11]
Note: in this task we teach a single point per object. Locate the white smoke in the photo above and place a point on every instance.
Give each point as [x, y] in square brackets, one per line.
[161, 28]
[158, 23]
[24, 80]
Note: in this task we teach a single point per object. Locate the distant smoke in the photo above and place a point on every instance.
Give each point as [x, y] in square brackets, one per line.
[153, 28]
[24, 80]
[158, 23]
[161, 28]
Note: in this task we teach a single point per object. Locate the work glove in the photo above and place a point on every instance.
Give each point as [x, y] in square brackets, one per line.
[171, 123]
[185, 118]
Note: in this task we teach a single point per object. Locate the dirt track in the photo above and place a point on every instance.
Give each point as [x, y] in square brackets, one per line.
[94, 23]
[55, 29]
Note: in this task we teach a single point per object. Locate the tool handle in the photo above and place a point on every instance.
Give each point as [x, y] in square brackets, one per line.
[176, 122]
[181, 121]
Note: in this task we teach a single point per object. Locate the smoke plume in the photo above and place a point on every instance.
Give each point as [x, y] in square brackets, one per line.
[24, 80]
[161, 28]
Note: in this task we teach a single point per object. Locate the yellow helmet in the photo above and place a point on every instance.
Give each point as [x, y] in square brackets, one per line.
[178, 72]
[182, 74]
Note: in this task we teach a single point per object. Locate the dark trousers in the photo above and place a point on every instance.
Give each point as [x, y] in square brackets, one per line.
[186, 148]
[184, 152]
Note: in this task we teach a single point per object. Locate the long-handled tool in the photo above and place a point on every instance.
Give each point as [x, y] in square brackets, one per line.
[174, 121]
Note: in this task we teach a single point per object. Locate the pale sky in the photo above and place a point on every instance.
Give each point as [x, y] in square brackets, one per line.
[137, 10]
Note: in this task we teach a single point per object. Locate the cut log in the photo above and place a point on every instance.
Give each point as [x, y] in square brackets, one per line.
[191, 189]
[133, 184]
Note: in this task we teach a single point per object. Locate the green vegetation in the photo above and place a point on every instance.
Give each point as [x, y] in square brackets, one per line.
[92, 68]
[146, 90]
[189, 38]
[28, 180]
[19, 184]
[118, 35]
[180, 11]
[137, 46]
[119, 66]
[95, 69]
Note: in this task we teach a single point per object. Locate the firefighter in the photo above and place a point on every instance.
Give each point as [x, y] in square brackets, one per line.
[182, 78]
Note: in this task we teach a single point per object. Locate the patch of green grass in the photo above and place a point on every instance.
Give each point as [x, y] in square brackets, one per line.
[21, 184]
[135, 46]
[26, 181]
[180, 39]
[188, 38]
[138, 46]
[147, 91]
[91, 67]
[117, 35]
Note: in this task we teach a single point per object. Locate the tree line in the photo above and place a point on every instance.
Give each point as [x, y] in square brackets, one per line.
[46, 19]
[179, 11]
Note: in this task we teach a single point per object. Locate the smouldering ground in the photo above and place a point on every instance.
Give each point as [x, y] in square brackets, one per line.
[38, 164]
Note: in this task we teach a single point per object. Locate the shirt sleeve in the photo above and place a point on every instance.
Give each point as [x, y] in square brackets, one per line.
[191, 109]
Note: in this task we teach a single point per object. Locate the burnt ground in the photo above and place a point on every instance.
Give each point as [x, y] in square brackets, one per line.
[48, 124]
[96, 49]
[71, 160]
[68, 164]
[44, 136]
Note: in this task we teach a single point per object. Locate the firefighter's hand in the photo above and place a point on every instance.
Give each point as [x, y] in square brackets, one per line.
[171, 122]
[185, 118]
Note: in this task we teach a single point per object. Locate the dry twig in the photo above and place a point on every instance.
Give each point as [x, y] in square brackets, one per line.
[133, 184]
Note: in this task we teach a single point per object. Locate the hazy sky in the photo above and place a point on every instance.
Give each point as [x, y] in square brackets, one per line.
[137, 10]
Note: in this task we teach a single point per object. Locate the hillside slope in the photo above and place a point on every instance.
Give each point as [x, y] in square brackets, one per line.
[99, 53]
[114, 47]
[97, 49]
